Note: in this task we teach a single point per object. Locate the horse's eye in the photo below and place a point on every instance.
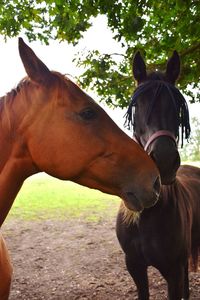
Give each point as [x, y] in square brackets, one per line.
[88, 114]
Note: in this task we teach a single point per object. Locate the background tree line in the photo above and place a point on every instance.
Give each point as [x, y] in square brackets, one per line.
[191, 149]
[154, 27]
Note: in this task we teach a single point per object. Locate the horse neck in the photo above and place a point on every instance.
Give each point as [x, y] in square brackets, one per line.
[15, 163]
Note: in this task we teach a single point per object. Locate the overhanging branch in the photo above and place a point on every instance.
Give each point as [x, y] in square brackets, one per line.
[190, 50]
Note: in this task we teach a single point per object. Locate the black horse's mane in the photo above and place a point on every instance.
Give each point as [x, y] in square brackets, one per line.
[156, 80]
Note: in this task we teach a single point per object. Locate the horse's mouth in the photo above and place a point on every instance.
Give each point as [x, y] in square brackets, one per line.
[132, 202]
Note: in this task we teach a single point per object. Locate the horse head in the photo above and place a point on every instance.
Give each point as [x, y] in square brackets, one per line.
[158, 110]
[65, 133]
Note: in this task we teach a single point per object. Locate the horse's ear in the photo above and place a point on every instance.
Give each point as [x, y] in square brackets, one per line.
[173, 67]
[35, 68]
[139, 68]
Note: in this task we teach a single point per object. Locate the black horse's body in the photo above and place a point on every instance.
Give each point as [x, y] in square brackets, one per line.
[165, 235]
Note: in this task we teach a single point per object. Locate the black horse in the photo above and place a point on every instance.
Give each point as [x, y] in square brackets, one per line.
[157, 111]
[165, 235]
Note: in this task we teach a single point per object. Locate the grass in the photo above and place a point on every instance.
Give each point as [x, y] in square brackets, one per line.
[44, 197]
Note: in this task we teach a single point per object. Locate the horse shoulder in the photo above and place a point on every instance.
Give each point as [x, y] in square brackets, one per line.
[6, 270]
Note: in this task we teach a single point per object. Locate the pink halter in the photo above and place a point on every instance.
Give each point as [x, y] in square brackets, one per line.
[154, 136]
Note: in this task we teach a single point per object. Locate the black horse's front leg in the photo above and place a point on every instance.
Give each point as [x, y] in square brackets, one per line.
[186, 290]
[138, 272]
[175, 280]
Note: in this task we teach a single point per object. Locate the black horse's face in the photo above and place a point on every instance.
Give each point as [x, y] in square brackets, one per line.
[159, 110]
[156, 128]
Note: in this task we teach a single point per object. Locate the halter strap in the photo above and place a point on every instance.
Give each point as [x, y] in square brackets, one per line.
[154, 136]
[157, 134]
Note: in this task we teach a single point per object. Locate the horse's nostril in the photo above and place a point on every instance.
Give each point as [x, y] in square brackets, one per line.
[130, 194]
[157, 186]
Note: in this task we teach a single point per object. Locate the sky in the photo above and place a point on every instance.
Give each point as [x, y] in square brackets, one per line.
[59, 57]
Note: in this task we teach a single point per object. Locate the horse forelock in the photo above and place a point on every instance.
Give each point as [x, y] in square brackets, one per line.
[73, 88]
[156, 75]
[157, 84]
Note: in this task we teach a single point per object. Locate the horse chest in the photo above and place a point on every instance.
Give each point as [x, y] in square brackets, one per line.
[159, 243]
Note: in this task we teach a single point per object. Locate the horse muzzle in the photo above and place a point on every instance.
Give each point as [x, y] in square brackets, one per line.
[167, 159]
[137, 200]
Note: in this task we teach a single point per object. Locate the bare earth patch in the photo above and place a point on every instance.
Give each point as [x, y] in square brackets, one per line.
[68, 260]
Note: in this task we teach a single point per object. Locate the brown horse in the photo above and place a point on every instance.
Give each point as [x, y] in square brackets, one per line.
[49, 124]
[165, 235]
[5, 270]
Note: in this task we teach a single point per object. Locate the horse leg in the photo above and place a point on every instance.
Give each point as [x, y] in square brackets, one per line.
[186, 290]
[138, 272]
[5, 270]
[175, 281]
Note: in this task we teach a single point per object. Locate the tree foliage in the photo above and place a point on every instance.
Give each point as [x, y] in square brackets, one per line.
[155, 28]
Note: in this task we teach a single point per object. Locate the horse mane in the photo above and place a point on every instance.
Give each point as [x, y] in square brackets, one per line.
[10, 96]
[158, 81]
[8, 100]
[183, 204]
[23, 84]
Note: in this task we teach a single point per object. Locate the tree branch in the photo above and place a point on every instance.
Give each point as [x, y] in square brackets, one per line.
[190, 50]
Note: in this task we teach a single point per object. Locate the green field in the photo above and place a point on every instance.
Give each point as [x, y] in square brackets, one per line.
[44, 197]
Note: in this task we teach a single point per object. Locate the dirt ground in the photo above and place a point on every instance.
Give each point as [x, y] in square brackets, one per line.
[68, 260]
